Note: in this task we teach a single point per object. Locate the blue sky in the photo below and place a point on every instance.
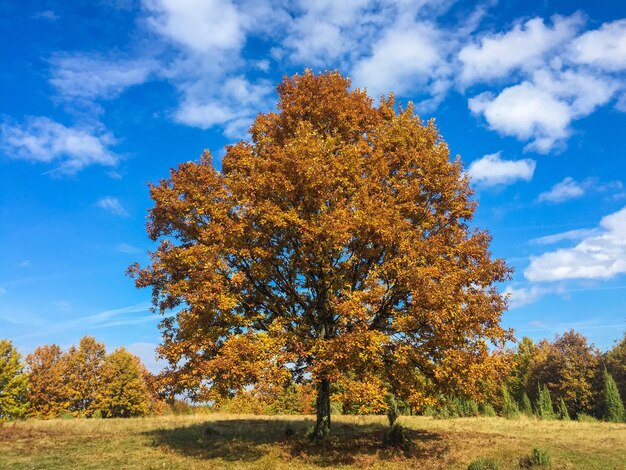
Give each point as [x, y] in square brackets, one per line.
[99, 98]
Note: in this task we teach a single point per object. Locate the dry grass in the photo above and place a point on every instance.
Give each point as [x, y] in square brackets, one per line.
[237, 441]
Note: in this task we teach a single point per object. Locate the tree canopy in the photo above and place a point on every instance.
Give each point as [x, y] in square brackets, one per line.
[13, 383]
[335, 246]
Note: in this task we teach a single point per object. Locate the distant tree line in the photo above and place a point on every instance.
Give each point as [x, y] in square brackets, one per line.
[566, 378]
[83, 381]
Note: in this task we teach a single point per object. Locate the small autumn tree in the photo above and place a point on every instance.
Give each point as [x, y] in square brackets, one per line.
[81, 367]
[568, 367]
[124, 392]
[335, 245]
[13, 383]
[47, 385]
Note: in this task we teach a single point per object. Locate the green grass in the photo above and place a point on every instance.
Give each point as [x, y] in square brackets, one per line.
[237, 441]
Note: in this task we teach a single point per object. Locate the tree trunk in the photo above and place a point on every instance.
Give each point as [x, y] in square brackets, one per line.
[322, 428]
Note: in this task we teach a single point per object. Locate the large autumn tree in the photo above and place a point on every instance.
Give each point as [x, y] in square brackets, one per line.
[333, 246]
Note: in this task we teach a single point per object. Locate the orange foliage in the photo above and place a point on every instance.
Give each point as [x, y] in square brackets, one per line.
[335, 245]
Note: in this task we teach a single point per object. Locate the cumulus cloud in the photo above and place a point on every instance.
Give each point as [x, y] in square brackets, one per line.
[327, 30]
[601, 255]
[200, 25]
[403, 58]
[232, 106]
[569, 188]
[548, 73]
[112, 205]
[542, 109]
[566, 189]
[525, 46]
[604, 47]
[491, 170]
[45, 141]
[89, 77]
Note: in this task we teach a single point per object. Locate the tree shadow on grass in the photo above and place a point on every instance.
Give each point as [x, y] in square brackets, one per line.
[248, 440]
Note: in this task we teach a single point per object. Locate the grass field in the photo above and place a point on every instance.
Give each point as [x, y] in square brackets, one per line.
[237, 441]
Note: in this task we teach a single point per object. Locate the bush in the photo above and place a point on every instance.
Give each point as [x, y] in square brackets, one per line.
[485, 463]
[539, 458]
[585, 418]
[392, 409]
[336, 408]
[66, 415]
[489, 410]
[460, 407]
[397, 436]
[289, 431]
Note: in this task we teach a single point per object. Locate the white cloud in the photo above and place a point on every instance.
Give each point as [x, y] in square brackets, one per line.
[563, 191]
[326, 30]
[569, 188]
[520, 296]
[541, 110]
[88, 77]
[200, 25]
[112, 205]
[599, 256]
[46, 141]
[525, 46]
[233, 105]
[491, 170]
[404, 59]
[604, 47]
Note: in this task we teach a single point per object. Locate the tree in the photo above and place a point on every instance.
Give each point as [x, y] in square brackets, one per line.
[544, 406]
[526, 406]
[46, 374]
[334, 245]
[615, 360]
[510, 408]
[523, 360]
[568, 367]
[612, 405]
[563, 413]
[13, 383]
[82, 377]
[124, 392]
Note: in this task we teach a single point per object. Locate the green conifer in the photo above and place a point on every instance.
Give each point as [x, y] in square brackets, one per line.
[527, 407]
[563, 414]
[613, 407]
[544, 404]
